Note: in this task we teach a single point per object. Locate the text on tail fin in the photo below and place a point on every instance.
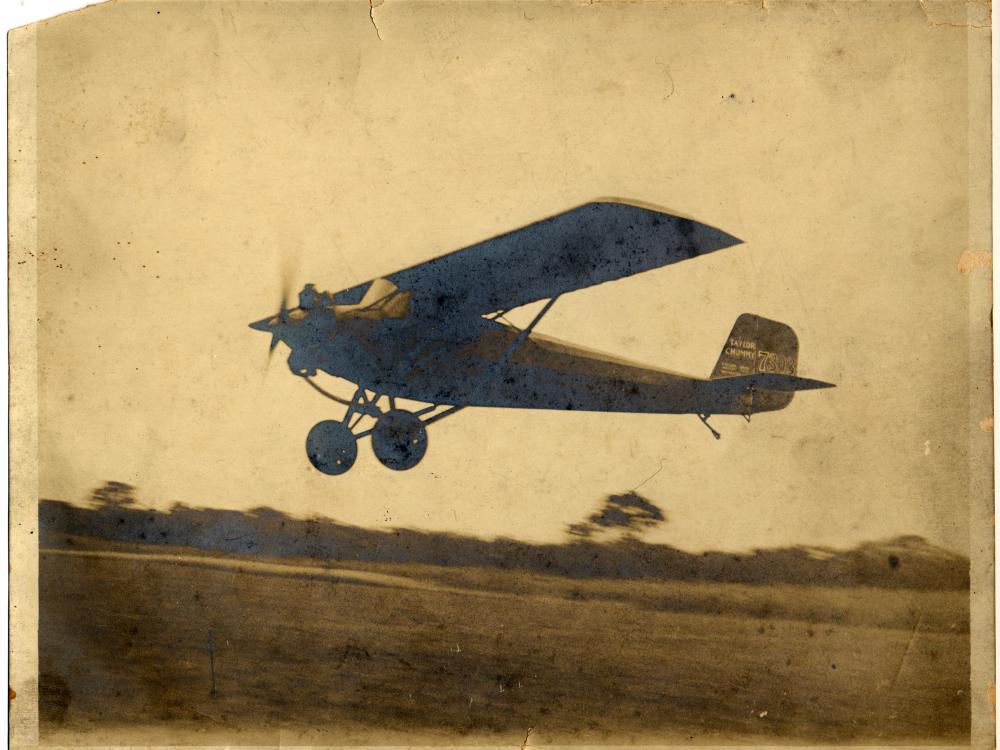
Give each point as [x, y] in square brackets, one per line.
[758, 345]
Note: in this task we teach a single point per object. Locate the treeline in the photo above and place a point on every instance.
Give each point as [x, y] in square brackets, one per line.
[905, 562]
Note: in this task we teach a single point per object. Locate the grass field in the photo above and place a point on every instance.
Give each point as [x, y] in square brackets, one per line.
[213, 649]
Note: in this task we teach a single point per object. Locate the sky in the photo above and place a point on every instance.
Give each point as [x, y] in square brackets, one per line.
[192, 155]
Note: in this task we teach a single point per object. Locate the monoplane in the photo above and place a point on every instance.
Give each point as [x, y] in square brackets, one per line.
[436, 334]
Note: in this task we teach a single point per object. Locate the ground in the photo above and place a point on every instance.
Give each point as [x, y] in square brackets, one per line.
[138, 643]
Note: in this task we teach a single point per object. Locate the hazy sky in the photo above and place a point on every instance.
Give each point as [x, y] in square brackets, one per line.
[188, 152]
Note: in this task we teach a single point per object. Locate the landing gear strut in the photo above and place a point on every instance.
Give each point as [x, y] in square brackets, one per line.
[399, 437]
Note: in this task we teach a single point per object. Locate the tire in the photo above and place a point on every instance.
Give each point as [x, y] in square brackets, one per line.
[399, 440]
[331, 447]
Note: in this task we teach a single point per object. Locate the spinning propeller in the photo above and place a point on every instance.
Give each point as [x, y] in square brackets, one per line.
[381, 300]
[282, 317]
[276, 323]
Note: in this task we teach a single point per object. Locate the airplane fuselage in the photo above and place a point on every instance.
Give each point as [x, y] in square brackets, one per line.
[482, 365]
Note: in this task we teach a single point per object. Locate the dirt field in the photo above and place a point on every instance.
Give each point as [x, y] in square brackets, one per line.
[137, 646]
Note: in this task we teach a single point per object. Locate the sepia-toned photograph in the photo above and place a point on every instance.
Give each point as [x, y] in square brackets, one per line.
[503, 373]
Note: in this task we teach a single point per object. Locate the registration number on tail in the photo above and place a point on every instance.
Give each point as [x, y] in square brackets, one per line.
[780, 364]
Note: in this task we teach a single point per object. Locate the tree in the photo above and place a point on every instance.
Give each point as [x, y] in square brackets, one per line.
[630, 513]
[113, 495]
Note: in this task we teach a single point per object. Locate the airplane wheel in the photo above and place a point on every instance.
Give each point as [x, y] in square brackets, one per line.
[331, 447]
[399, 440]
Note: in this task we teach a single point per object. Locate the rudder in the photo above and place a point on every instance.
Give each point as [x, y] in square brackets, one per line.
[758, 345]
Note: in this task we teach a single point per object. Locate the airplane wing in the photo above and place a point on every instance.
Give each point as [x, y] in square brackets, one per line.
[588, 245]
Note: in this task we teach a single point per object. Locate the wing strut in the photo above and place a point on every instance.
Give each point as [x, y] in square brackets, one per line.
[523, 335]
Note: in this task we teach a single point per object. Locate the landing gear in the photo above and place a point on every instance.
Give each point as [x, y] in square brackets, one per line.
[399, 439]
[331, 447]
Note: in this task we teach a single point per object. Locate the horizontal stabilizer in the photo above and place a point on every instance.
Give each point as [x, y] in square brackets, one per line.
[768, 381]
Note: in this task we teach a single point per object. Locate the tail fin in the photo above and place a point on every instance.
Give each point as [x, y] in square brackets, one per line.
[758, 345]
[756, 369]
